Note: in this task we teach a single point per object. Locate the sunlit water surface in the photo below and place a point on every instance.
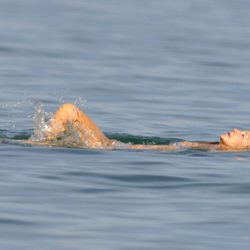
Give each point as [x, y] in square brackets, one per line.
[145, 71]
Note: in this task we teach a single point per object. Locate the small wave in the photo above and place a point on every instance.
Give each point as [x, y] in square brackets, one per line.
[16, 222]
[21, 135]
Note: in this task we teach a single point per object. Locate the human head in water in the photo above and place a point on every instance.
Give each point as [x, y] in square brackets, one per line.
[236, 139]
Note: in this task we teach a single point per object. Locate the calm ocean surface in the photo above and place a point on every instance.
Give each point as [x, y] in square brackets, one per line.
[141, 69]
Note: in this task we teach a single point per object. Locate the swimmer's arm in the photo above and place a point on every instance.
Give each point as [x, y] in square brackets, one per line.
[178, 145]
[154, 147]
[200, 145]
[68, 114]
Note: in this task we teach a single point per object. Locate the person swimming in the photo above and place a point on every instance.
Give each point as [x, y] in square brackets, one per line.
[70, 125]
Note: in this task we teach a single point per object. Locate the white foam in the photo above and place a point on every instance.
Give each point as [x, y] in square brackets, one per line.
[41, 119]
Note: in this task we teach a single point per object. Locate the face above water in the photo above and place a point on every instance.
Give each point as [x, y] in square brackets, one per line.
[236, 139]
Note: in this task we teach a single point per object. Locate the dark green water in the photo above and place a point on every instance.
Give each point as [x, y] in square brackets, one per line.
[146, 72]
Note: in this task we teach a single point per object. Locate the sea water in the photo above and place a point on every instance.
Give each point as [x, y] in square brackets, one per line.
[145, 72]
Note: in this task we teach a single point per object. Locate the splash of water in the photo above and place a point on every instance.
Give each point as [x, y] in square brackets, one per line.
[61, 98]
[41, 120]
[80, 102]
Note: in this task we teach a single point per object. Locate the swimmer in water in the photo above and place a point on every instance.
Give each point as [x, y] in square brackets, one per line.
[69, 118]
